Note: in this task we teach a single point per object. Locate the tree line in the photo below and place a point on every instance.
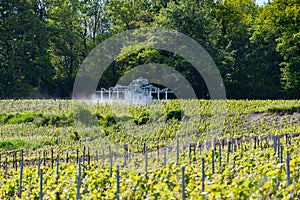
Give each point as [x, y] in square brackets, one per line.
[44, 42]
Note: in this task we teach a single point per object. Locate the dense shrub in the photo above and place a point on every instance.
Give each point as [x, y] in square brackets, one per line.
[39, 119]
[3, 118]
[59, 120]
[17, 118]
[285, 109]
[142, 118]
[174, 114]
[106, 120]
[10, 145]
[22, 118]
[75, 136]
[140, 114]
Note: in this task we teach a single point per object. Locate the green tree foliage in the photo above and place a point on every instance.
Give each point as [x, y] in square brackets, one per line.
[278, 26]
[25, 68]
[43, 43]
[67, 49]
[248, 73]
[288, 44]
[193, 18]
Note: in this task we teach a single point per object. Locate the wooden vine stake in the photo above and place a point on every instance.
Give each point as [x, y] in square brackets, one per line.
[280, 158]
[288, 175]
[67, 157]
[118, 182]
[78, 181]
[228, 152]
[6, 166]
[274, 143]
[203, 175]
[220, 158]
[89, 157]
[40, 174]
[190, 150]
[57, 168]
[165, 157]
[182, 183]
[16, 164]
[77, 156]
[83, 160]
[146, 163]
[278, 147]
[102, 156]
[177, 152]
[125, 154]
[110, 162]
[97, 156]
[44, 156]
[21, 173]
[39, 166]
[194, 149]
[41, 184]
[52, 161]
[213, 161]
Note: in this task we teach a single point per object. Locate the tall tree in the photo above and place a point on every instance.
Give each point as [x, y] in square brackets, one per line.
[248, 74]
[25, 68]
[94, 17]
[68, 42]
[194, 18]
[278, 27]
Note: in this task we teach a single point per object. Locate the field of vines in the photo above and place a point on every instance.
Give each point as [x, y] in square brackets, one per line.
[175, 149]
